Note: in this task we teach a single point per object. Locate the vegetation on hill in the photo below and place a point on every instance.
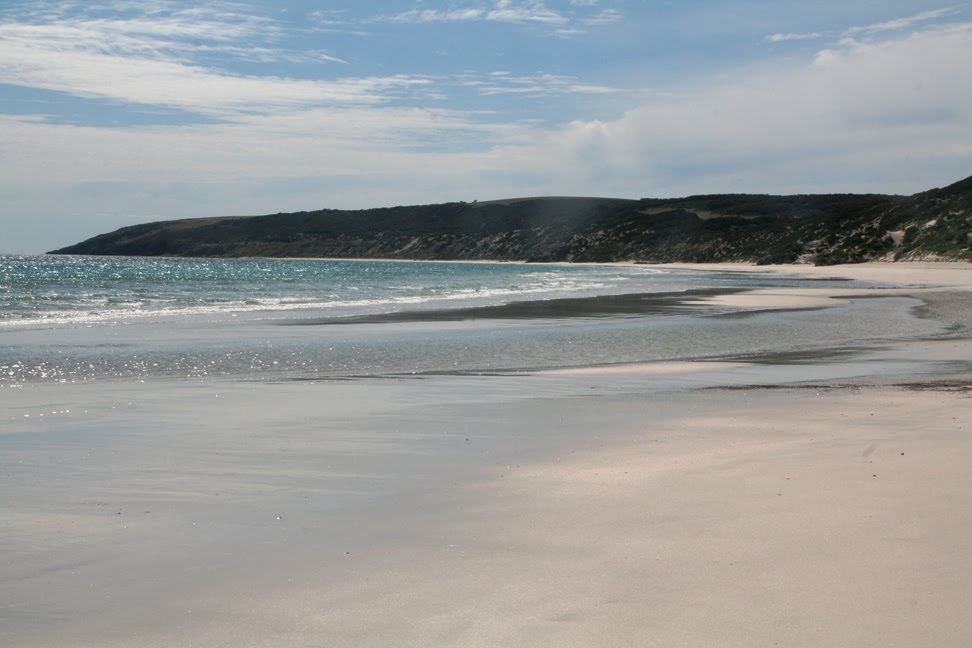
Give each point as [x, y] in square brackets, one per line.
[821, 229]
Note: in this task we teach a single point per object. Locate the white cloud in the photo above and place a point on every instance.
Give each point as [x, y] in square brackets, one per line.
[341, 141]
[886, 115]
[144, 27]
[901, 23]
[328, 16]
[150, 59]
[528, 11]
[780, 37]
[505, 11]
[605, 17]
[897, 24]
[174, 84]
[536, 85]
[434, 15]
[520, 12]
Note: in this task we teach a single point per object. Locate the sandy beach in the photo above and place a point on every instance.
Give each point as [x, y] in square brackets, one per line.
[802, 499]
[790, 517]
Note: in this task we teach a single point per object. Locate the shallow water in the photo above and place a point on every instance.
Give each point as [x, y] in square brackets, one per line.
[58, 290]
[81, 318]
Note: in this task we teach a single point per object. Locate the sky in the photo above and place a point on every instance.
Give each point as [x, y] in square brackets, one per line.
[117, 112]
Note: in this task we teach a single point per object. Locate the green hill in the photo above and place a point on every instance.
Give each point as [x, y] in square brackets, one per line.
[822, 229]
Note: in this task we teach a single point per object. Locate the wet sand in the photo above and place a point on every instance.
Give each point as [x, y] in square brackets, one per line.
[800, 500]
[600, 306]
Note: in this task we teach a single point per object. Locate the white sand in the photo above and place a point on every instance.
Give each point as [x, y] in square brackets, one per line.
[916, 279]
[744, 519]
[723, 518]
[952, 274]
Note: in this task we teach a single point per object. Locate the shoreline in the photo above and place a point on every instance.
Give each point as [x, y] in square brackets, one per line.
[942, 274]
[728, 265]
[717, 265]
[621, 304]
[939, 294]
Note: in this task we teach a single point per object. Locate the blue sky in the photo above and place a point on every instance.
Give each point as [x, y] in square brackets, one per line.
[119, 112]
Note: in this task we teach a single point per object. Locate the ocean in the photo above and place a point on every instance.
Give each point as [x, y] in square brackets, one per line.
[71, 319]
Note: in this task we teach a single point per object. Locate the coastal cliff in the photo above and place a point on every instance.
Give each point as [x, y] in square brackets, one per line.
[820, 229]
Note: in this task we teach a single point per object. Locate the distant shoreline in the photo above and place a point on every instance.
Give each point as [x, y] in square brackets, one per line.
[715, 265]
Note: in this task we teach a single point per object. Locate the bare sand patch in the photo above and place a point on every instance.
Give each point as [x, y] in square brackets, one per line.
[721, 518]
[942, 274]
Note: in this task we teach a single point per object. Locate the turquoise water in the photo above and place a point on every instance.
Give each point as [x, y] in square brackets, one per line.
[71, 319]
[64, 290]
[57, 290]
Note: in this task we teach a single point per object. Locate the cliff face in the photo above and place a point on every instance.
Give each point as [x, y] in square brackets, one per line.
[821, 229]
